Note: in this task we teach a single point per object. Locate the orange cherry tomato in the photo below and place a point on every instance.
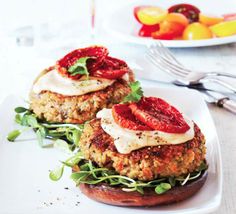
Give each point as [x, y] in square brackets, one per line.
[209, 20]
[197, 31]
[169, 30]
[172, 27]
[149, 15]
[177, 17]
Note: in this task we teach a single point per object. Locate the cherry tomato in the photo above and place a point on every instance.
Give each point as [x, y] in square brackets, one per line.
[229, 17]
[136, 9]
[190, 11]
[177, 17]
[209, 20]
[146, 30]
[162, 36]
[197, 31]
[149, 15]
[169, 30]
[223, 29]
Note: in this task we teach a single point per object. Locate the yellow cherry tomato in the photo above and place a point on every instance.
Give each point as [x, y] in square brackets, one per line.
[223, 29]
[151, 15]
[197, 31]
[209, 20]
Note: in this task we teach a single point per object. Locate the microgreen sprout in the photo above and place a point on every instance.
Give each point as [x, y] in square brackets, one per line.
[61, 134]
[85, 172]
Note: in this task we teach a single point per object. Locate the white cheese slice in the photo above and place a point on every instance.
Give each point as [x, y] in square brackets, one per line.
[127, 140]
[55, 82]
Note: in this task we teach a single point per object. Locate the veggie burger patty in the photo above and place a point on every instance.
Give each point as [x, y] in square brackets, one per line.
[147, 163]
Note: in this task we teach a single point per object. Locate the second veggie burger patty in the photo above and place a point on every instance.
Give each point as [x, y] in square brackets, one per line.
[76, 109]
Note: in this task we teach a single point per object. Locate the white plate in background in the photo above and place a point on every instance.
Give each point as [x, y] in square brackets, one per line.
[122, 24]
[24, 167]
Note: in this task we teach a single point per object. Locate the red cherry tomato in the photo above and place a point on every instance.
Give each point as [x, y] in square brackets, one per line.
[190, 11]
[162, 36]
[229, 17]
[136, 9]
[146, 30]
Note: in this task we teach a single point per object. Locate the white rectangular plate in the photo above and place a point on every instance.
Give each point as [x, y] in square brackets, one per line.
[24, 168]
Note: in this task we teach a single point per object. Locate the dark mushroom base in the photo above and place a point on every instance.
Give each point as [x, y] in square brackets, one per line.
[115, 196]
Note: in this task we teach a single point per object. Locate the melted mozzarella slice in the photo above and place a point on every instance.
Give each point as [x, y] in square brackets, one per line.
[54, 82]
[127, 140]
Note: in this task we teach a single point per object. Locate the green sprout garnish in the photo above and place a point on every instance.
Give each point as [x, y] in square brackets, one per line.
[79, 67]
[13, 135]
[56, 174]
[135, 94]
[61, 134]
[90, 173]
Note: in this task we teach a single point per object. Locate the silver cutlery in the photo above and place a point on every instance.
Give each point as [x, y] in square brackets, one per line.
[162, 58]
[220, 100]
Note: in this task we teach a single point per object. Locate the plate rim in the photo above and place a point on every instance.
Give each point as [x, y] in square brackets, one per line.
[106, 25]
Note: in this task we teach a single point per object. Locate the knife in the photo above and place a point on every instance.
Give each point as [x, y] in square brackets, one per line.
[198, 87]
[220, 100]
[213, 96]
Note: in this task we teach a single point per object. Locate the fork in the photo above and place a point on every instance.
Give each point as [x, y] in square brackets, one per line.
[165, 60]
